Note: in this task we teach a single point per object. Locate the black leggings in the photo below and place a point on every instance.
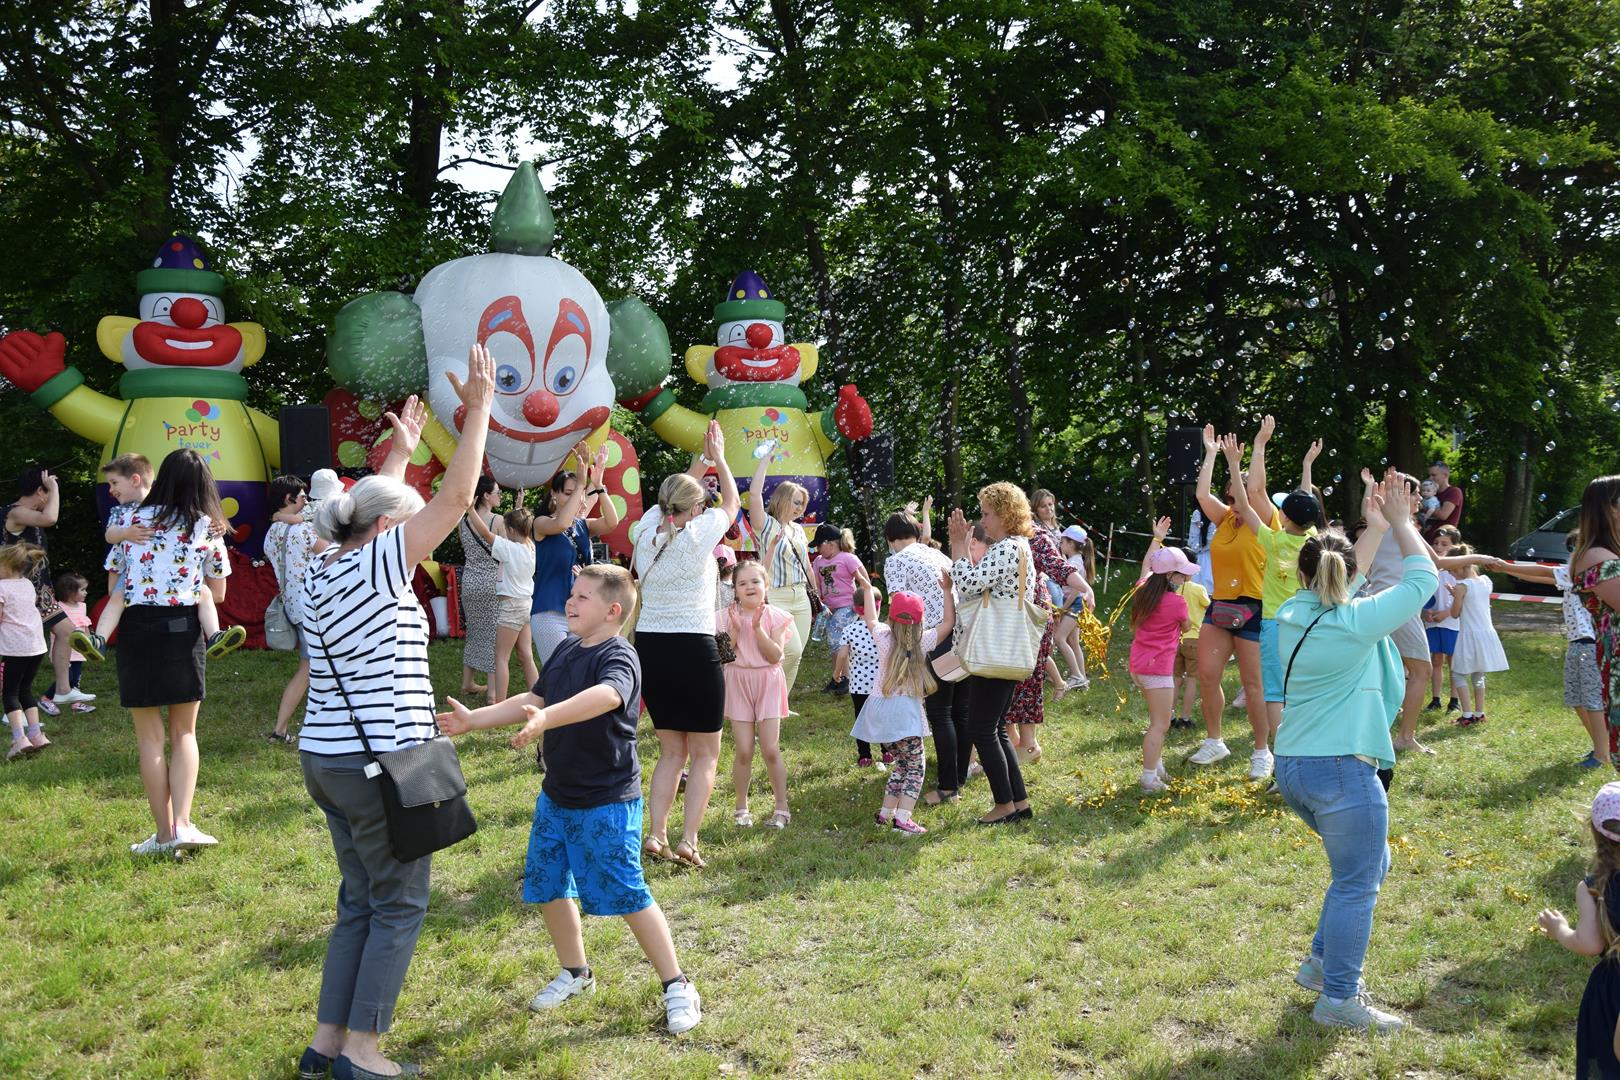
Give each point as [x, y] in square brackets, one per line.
[863, 749]
[986, 708]
[951, 743]
[19, 682]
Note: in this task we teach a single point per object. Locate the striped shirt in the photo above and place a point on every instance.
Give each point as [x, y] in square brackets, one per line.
[360, 605]
[789, 558]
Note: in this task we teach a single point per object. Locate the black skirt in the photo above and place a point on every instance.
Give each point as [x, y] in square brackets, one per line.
[682, 681]
[160, 657]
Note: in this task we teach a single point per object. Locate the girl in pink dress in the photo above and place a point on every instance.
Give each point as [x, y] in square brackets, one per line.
[756, 688]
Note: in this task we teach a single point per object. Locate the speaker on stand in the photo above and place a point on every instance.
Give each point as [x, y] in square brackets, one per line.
[1185, 454]
[871, 461]
[306, 439]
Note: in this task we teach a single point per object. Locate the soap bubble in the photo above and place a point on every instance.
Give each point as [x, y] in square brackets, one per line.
[1479, 244]
[1474, 479]
[1536, 404]
[1382, 315]
[1327, 491]
[1523, 455]
[1542, 497]
[1387, 344]
[1542, 160]
[1223, 268]
[1379, 269]
[1551, 447]
[1408, 301]
[1312, 302]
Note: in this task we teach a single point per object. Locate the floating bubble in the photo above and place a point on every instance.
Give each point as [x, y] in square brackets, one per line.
[1290, 325]
[1387, 344]
[1379, 269]
[1536, 404]
[1408, 301]
[1350, 389]
[1474, 479]
[1523, 455]
[1542, 160]
[1551, 447]
[1312, 302]
[1542, 497]
[1479, 244]
[1337, 477]
[1382, 315]
[1223, 268]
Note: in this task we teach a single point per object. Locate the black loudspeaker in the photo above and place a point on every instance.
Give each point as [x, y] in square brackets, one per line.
[306, 440]
[1186, 454]
[871, 461]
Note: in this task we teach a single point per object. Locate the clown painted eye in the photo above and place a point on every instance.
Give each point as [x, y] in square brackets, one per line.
[160, 310]
[563, 380]
[508, 378]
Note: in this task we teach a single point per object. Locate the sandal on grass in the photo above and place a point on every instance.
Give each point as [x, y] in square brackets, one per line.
[276, 738]
[779, 820]
[935, 797]
[743, 819]
[657, 847]
[686, 853]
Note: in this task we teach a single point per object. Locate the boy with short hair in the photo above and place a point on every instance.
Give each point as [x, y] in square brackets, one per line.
[586, 839]
[129, 476]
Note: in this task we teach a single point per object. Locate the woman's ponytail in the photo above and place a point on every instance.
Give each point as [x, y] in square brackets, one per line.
[1327, 562]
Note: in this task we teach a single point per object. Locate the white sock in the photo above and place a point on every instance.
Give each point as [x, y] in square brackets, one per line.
[887, 813]
[902, 815]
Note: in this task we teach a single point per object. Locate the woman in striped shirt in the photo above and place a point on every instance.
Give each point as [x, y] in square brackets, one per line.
[368, 654]
[775, 522]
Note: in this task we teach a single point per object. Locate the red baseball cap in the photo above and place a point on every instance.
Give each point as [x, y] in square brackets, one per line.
[905, 607]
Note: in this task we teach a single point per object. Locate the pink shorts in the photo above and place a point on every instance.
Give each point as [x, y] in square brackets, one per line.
[755, 693]
[1154, 682]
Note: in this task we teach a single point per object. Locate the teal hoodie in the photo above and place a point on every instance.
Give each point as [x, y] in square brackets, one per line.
[1347, 681]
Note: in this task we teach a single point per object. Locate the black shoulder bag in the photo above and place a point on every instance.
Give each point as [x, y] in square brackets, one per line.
[1385, 776]
[424, 794]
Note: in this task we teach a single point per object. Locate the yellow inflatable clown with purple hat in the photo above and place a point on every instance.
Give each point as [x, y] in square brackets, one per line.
[182, 387]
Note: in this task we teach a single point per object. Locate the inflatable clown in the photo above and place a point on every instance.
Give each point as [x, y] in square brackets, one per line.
[559, 350]
[182, 387]
[753, 377]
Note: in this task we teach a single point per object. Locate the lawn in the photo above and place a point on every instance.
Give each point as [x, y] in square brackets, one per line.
[1116, 936]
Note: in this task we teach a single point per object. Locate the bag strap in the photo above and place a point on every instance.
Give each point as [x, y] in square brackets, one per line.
[487, 549]
[1295, 653]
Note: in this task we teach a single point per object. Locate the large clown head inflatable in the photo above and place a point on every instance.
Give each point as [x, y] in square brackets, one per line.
[750, 346]
[182, 318]
[547, 330]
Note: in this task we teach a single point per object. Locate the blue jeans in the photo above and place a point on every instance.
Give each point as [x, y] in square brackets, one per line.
[1341, 799]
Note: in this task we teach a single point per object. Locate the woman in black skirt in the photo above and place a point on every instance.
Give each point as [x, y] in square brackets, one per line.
[682, 682]
[160, 644]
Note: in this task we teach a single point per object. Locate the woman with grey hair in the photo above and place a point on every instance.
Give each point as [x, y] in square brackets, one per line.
[369, 668]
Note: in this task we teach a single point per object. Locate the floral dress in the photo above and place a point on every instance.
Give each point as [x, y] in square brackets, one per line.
[1608, 633]
[1028, 699]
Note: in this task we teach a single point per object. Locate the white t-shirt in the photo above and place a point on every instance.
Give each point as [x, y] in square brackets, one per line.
[1443, 600]
[517, 567]
[169, 570]
[915, 568]
[1577, 620]
[677, 593]
[360, 606]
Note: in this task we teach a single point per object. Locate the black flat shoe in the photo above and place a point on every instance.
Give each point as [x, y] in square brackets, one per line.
[344, 1069]
[1026, 814]
[998, 821]
[314, 1065]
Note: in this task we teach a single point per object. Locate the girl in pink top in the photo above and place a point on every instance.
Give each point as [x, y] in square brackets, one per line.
[756, 688]
[1159, 618]
[22, 646]
[837, 566]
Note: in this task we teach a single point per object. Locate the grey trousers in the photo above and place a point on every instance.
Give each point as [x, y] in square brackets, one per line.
[380, 904]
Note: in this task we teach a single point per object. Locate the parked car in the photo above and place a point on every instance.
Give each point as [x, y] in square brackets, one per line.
[1548, 544]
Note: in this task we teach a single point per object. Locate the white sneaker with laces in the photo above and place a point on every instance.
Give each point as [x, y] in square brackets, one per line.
[188, 837]
[683, 1009]
[1356, 1013]
[1077, 682]
[74, 694]
[152, 846]
[560, 989]
[1260, 764]
[1152, 782]
[1212, 751]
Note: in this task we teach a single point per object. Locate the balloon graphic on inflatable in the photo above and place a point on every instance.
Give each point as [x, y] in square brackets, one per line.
[182, 388]
[753, 377]
[558, 349]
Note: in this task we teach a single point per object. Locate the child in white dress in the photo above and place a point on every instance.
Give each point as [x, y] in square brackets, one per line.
[1479, 649]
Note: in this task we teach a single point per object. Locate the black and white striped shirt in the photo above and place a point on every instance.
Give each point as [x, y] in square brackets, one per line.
[360, 605]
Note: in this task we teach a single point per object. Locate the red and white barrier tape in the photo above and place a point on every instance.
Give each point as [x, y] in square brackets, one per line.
[1522, 598]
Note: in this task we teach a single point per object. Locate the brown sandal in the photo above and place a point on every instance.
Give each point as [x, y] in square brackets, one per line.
[657, 847]
[690, 857]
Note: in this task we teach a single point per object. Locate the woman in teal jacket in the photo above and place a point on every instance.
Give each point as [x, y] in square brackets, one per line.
[1343, 685]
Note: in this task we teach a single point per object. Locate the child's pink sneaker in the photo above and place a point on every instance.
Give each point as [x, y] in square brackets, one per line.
[888, 758]
[909, 827]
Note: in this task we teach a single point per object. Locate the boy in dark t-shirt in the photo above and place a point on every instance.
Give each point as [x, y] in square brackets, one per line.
[586, 840]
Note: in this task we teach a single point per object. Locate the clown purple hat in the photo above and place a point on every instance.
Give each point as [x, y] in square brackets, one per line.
[180, 267]
[749, 298]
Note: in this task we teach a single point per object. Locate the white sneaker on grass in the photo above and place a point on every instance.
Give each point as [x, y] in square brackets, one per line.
[1260, 764]
[1356, 1013]
[188, 837]
[1153, 783]
[152, 846]
[1210, 752]
[73, 694]
[683, 1009]
[560, 989]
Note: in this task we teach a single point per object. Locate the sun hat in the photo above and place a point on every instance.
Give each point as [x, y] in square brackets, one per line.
[725, 555]
[323, 484]
[905, 607]
[1075, 533]
[1171, 560]
[1606, 807]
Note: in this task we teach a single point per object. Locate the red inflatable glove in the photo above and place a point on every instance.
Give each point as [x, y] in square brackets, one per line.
[852, 415]
[636, 404]
[31, 361]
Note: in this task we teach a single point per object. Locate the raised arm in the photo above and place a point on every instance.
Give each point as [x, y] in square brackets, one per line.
[1257, 460]
[1213, 508]
[1241, 503]
[771, 649]
[756, 495]
[1372, 512]
[407, 425]
[1311, 453]
[481, 527]
[427, 528]
[869, 613]
[1161, 529]
[714, 445]
[926, 525]
[46, 515]
[608, 519]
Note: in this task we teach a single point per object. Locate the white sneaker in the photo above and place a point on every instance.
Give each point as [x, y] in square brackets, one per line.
[1077, 682]
[151, 846]
[74, 694]
[683, 1009]
[1153, 782]
[187, 837]
[560, 989]
[1260, 764]
[1163, 773]
[1356, 1013]
[1212, 751]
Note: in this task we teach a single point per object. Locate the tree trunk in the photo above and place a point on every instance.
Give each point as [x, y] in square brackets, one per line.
[1403, 434]
[1518, 476]
[429, 93]
[1144, 437]
[1017, 391]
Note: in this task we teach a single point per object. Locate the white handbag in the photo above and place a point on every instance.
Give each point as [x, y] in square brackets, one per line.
[280, 632]
[1000, 638]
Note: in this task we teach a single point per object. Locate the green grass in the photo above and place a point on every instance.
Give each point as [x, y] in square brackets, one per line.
[1118, 936]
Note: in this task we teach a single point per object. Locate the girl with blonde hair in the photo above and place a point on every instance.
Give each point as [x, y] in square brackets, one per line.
[756, 690]
[782, 547]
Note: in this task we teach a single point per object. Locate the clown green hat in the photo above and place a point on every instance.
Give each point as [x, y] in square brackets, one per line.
[180, 266]
[749, 298]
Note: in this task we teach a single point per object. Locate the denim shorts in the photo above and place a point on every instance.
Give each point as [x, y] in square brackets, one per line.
[592, 854]
[1271, 661]
[838, 620]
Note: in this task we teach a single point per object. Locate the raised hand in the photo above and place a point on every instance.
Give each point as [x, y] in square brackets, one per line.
[1233, 449]
[1161, 529]
[532, 729]
[958, 531]
[407, 425]
[1398, 502]
[1312, 451]
[1267, 427]
[478, 392]
[458, 721]
[1372, 501]
[1211, 443]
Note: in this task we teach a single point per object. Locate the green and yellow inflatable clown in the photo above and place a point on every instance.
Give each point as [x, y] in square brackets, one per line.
[753, 377]
[182, 387]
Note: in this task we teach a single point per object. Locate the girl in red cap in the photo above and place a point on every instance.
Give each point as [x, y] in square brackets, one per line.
[893, 713]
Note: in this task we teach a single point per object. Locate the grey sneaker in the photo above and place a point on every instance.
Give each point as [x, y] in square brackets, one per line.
[560, 989]
[1357, 1013]
[1309, 976]
[1210, 752]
